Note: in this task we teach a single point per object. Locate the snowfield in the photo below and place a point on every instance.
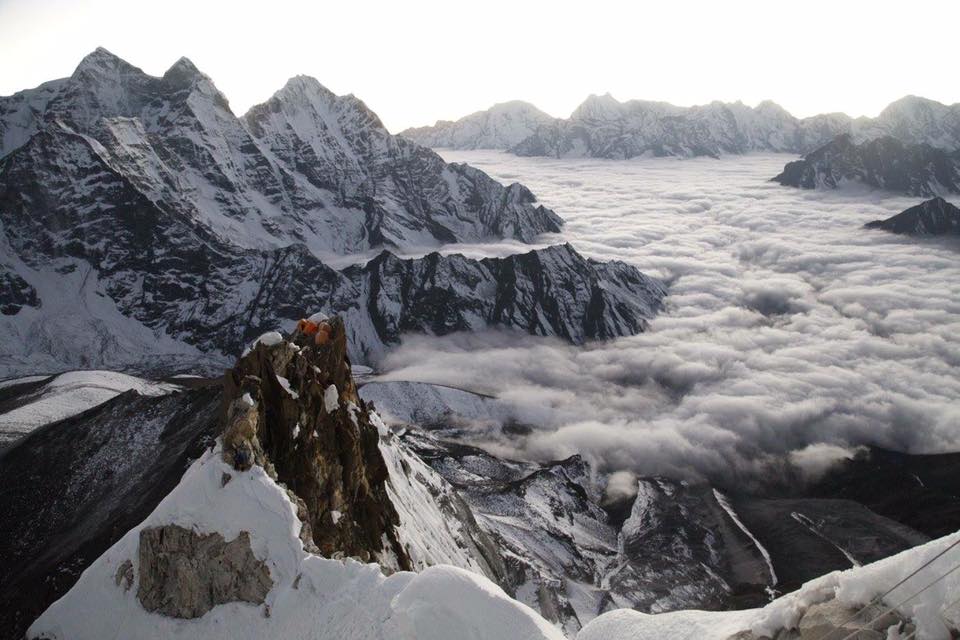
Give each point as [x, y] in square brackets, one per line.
[69, 394]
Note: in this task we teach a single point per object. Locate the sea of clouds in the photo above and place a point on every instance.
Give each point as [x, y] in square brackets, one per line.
[790, 332]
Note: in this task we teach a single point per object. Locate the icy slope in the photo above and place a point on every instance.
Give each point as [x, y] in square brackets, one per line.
[311, 596]
[402, 193]
[66, 395]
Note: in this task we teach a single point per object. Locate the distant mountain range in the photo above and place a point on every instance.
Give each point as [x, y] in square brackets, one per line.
[140, 216]
[502, 126]
[603, 127]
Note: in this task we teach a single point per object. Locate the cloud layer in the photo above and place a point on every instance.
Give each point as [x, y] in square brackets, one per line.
[787, 324]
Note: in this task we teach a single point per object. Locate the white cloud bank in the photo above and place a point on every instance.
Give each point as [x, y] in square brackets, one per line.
[787, 324]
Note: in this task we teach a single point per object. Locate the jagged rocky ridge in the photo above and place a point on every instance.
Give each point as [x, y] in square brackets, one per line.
[292, 408]
[109, 279]
[574, 549]
[604, 127]
[934, 217]
[502, 126]
[884, 163]
[140, 217]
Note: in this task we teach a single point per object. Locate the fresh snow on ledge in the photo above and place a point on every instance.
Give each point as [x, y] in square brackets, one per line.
[336, 599]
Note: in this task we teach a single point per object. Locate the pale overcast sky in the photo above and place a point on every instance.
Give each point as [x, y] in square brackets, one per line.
[416, 61]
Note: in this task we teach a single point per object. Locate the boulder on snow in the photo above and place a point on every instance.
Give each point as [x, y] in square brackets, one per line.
[184, 574]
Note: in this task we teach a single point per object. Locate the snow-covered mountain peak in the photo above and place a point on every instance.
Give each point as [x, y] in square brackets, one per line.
[500, 127]
[305, 88]
[912, 105]
[101, 61]
[310, 109]
[770, 107]
[184, 73]
[598, 107]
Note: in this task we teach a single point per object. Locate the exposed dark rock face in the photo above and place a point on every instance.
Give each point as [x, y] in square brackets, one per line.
[71, 489]
[292, 407]
[547, 292]
[934, 217]
[808, 537]
[15, 293]
[917, 490]
[884, 163]
[184, 574]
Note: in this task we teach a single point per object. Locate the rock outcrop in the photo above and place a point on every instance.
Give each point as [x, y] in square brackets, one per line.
[184, 574]
[883, 163]
[935, 217]
[292, 407]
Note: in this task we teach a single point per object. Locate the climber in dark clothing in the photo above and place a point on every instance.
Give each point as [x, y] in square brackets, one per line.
[241, 458]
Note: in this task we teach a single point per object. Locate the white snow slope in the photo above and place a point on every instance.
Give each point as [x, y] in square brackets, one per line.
[69, 394]
[337, 599]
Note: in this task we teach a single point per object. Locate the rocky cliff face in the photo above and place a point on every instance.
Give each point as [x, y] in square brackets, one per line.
[575, 548]
[884, 163]
[934, 217]
[502, 126]
[292, 407]
[546, 292]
